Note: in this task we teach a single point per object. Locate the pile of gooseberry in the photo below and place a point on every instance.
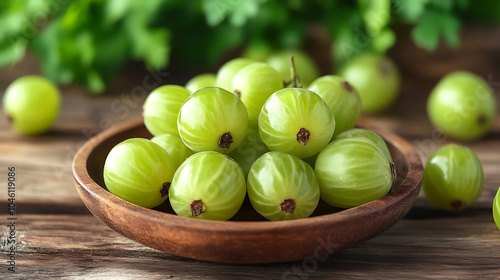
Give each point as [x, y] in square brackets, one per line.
[249, 131]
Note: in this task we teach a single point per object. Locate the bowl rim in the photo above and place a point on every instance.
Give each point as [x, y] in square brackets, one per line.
[411, 183]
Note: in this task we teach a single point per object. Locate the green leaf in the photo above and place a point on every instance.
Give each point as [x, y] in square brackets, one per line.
[432, 25]
[384, 40]
[412, 10]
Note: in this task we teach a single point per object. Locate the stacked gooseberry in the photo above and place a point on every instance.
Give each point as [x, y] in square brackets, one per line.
[249, 130]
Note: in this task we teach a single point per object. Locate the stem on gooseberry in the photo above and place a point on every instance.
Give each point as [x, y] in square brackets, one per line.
[225, 141]
[293, 72]
[346, 86]
[288, 205]
[384, 68]
[303, 136]
[197, 207]
[458, 204]
[237, 93]
[481, 120]
[165, 187]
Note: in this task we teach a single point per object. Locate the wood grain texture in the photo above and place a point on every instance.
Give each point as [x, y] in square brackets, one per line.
[61, 239]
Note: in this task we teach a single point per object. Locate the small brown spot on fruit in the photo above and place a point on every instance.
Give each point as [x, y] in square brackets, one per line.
[165, 187]
[303, 136]
[237, 93]
[458, 204]
[197, 207]
[9, 119]
[288, 205]
[225, 141]
[346, 86]
[384, 68]
[481, 120]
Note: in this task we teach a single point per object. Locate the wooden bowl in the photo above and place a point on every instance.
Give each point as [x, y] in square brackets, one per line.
[247, 237]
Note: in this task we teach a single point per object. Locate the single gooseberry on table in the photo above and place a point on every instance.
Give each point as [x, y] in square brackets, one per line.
[32, 104]
[453, 178]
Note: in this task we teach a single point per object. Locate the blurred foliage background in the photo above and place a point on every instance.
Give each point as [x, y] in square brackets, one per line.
[88, 41]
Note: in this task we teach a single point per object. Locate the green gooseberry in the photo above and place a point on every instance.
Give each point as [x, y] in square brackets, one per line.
[212, 119]
[228, 71]
[353, 171]
[296, 121]
[361, 132]
[161, 108]
[32, 104]
[282, 187]
[462, 105]
[342, 98]
[307, 70]
[453, 178]
[249, 150]
[139, 171]
[175, 148]
[208, 185]
[200, 81]
[496, 209]
[376, 78]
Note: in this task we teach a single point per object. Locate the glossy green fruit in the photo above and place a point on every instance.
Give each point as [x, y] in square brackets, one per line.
[296, 121]
[32, 104]
[496, 209]
[175, 148]
[212, 119]
[453, 178]
[253, 85]
[228, 71]
[377, 80]
[361, 132]
[249, 150]
[353, 171]
[161, 108]
[282, 187]
[462, 105]
[208, 185]
[305, 66]
[342, 98]
[139, 171]
[200, 81]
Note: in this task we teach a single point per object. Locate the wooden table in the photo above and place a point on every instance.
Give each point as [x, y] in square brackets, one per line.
[58, 237]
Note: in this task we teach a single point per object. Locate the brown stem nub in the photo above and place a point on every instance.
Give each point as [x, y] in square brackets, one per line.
[295, 76]
[303, 136]
[458, 204]
[288, 205]
[481, 120]
[225, 141]
[237, 93]
[384, 68]
[9, 119]
[346, 86]
[165, 187]
[197, 207]
[393, 171]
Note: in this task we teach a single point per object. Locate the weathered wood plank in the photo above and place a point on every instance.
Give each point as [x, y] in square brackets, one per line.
[75, 246]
